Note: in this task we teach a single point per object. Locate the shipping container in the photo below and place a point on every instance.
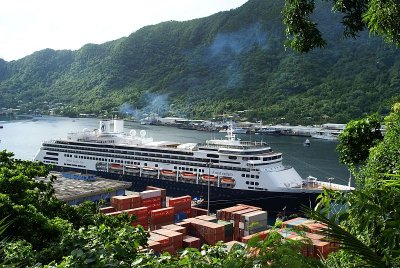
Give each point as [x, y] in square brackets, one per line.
[176, 228]
[191, 242]
[106, 210]
[195, 211]
[175, 238]
[150, 194]
[163, 240]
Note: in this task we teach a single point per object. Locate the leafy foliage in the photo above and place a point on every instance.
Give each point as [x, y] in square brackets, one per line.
[380, 17]
[368, 218]
[356, 140]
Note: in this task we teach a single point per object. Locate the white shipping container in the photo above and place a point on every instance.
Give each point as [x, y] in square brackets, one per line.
[256, 216]
[150, 194]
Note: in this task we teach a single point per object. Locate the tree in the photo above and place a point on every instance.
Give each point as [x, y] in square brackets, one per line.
[371, 216]
[356, 140]
[379, 17]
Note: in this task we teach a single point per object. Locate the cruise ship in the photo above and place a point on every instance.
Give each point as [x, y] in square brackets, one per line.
[232, 170]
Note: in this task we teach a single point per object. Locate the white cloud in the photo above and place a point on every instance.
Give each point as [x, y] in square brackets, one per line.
[27, 26]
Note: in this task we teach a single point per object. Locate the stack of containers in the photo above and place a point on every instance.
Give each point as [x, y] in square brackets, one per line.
[235, 217]
[176, 228]
[161, 217]
[253, 222]
[151, 199]
[163, 195]
[297, 223]
[226, 213]
[162, 240]
[141, 216]
[228, 226]
[194, 212]
[181, 207]
[208, 232]
[191, 242]
[121, 202]
[175, 239]
[125, 202]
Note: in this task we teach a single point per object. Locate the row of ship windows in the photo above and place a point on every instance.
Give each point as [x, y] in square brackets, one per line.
[173, 156]
[121, 151]
[250, 176]
[147, 159]
[252, 183]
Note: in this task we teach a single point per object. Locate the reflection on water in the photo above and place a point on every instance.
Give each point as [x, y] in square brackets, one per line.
[319, 160]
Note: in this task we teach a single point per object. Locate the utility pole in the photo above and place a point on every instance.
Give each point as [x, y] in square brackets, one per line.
[208, 188]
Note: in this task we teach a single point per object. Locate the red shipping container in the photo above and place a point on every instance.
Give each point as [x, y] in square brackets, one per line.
[155, 246]
[107, 210]
[163, 240]
[176, 201]
[175, 237]
[159, 213]
[176, 228]
[170, 249]
[226, 213]
[191, 242]
[195, 211]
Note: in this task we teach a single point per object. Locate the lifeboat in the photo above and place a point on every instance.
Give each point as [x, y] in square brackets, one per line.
[227, 180]
[149, 171]
[188, 175]
[132, 169]
[210, 178]
[168, 173]
[116, 166]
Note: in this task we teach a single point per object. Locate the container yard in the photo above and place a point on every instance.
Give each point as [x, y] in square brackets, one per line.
[174, 224]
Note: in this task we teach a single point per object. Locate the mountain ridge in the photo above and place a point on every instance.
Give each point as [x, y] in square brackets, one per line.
[229, 61]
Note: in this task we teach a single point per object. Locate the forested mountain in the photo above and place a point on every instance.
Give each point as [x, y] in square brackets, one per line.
[229, 61]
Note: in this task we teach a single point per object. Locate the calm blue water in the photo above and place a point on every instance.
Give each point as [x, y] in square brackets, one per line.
[319, 160]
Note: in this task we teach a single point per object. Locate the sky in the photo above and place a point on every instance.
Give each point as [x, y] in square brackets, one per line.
[27, 26]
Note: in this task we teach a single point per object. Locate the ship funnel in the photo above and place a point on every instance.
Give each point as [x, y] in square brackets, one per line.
[118, 126]
[105, 126]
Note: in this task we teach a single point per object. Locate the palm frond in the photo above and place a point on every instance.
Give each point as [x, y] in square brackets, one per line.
[347, 241]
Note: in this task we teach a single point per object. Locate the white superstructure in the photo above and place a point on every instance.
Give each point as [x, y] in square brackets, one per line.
[228, 163]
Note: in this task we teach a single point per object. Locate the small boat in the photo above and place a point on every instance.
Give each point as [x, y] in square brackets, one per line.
[227, 180]
[188, 175]
[210, 178]
[132, 169]
[1, 126]
[168, 173]
[116, 166]
[307, 142]
[149, 171]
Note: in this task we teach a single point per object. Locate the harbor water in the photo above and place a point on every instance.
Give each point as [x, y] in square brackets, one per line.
[320, 159]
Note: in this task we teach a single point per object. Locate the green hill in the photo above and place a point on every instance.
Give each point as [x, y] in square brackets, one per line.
[229, 61]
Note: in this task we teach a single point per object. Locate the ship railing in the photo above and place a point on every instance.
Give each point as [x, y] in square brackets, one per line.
[250, 145]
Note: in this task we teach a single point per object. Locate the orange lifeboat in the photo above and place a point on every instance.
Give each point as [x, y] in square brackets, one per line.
[132, 169]
[116, 166]
[210, 178]
[227, 180]
[188, 175]
[168, 173]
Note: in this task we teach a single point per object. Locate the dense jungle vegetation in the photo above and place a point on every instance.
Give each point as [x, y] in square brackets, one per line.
[230, 61]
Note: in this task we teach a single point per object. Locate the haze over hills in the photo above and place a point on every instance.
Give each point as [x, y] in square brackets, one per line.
[229, 61]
